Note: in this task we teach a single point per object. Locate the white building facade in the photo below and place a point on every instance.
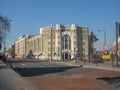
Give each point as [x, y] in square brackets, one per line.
[58, 42]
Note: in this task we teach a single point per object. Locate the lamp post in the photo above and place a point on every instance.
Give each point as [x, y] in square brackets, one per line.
[51, 42]
[104, 36]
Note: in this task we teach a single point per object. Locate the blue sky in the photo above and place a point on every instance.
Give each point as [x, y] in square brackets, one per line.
[29, 15]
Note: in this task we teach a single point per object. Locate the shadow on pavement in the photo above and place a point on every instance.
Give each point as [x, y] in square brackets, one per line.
[27, 72]
[4, 67]
[111, 81]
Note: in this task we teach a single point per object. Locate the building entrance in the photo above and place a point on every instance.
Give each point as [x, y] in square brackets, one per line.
[66, 56]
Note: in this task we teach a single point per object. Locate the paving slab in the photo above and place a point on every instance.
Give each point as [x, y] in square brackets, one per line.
[10, 80]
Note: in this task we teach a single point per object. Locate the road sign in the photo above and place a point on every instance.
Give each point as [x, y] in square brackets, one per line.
[103, 48]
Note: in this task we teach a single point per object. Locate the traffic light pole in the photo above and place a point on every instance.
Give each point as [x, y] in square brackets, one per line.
[117, 44]
[91, 48]
[92, 40]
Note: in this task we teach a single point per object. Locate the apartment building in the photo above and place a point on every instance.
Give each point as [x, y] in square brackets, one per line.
[20, 47]
[58, 42]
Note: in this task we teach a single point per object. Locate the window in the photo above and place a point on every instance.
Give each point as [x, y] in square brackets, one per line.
[83, 43]
[83, 31]
[54, 48]
[49, 36]
[74, 42]
[56, 31]
[58, 37]
[58, 42]
[49, 31]
[58, 48]
[49, 54]
[49, 49]
[74, 36]
[74, 31]
[49, 43]
[66, 42]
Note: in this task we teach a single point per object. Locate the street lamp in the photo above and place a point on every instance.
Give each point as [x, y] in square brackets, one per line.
[104, 36]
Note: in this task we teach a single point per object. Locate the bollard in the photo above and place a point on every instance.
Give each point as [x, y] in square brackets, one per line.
[4, 59]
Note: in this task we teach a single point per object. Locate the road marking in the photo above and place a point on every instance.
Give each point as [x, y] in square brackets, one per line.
[23, 64]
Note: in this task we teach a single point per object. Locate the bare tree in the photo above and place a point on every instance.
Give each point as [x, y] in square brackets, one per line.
[4, 29]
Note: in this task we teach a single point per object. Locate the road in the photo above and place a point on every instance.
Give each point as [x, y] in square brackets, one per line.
[47, 75]
[38, 67]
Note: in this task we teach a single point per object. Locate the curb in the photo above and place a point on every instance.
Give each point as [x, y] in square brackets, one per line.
[93, 66]
[100, 67]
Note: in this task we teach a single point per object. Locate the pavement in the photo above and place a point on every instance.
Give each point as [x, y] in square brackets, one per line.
[104, 66]
[10, 80]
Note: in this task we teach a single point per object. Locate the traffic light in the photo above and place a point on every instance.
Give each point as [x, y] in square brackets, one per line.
[119, 28]
[93, 37]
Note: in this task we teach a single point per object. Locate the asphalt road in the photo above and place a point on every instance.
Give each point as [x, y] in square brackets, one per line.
[36, 68]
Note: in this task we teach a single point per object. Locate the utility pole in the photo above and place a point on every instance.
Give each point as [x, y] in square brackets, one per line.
[51, 42]
[91, 45]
